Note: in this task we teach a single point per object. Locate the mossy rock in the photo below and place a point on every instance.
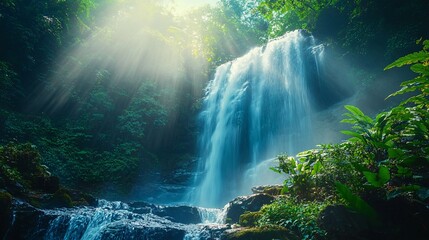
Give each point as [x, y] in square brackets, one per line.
[273, 190]
[60, 198]
[259, 233]
[249, 219]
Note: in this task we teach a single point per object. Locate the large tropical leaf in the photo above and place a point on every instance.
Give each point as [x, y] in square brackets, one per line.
[412, 58]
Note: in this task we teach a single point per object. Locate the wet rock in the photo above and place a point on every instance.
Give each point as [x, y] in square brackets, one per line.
[82, 199]
[28, 222]
[5, 213]
[60, 198]
[141, 207]
[179, 214]
[252, 203]
[403, 218]
[130, 230]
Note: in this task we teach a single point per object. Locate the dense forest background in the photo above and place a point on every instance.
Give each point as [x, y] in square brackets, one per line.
[109, 91]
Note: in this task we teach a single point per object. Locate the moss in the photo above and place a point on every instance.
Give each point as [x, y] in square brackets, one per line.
[263, 233]
[60, 198]
[249, 219]
[20, 163]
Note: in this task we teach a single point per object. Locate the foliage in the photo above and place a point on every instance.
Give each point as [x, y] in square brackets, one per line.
[385, 158]
[398, 138]
[249, 219]
[313, 173]
[365, 31]
[299, 217]
[355, 202]
[225, 32]
[304, 13]
[21, 163]
[8, 87]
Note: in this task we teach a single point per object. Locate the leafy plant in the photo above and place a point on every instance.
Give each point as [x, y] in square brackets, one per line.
[300, 217]
[355, 202]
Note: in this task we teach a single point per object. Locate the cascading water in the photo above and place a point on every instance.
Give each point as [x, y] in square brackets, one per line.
[256, 107]
[117, 220]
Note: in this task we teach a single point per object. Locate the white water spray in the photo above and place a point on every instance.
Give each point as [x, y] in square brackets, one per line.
[256, 107]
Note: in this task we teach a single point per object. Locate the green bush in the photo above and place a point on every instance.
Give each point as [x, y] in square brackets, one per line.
[20, 163]
[249, 219]
[300, 217]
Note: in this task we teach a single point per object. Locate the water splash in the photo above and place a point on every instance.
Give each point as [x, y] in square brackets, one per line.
[256, 107]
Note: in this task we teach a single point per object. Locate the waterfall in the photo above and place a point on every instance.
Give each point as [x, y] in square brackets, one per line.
[256, 107]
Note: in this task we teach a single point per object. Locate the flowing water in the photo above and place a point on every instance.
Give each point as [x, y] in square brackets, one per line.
[117, 220]
[256, 107]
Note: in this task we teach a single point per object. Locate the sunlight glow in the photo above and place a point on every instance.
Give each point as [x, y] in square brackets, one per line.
[138, 41]
[182, 6]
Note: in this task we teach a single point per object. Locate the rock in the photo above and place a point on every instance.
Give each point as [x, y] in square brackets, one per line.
[403, 218]
[129, 230]
[273, 190]
[264, 233]
[5, 213]
[29, 222]
[179, 214]
[213, 231]
[252, 203]
[82, 199]
[60, 198]
[141, 207]
[341, 223]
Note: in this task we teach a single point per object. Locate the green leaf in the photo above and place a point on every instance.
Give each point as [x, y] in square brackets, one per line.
[426, 45]
[378, 179]
[356, 111]
[395, 153]
[355, 202]
[405, 172]
[384, 174]
[372, 178]
[420, 69]
[275, 170]
[416, 57]
[316, 168]
[285, 189]
[353, 134]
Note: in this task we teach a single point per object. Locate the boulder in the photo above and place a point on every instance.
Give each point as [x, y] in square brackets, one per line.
[141, 207]
[403, 218]
[29, 222]
[252, 203]
[264, 233]
[341, 223]
[129, 230]
[179, 214]
[5, 213]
